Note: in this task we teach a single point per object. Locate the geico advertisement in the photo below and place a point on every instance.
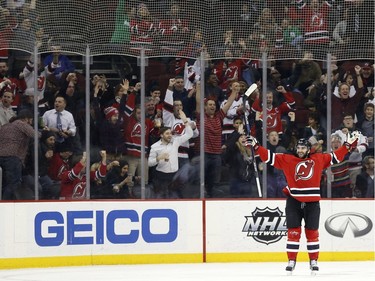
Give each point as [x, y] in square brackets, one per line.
[260, 226]
[82, 228]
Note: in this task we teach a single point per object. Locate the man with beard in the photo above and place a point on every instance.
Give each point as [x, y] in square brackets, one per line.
[303, 174]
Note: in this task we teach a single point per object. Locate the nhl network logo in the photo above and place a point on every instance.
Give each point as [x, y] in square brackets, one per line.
[266, 225]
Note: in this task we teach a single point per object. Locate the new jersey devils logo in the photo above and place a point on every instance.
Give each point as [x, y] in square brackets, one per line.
[231, 72]
[41, 83]
[317, 20]
[79, 190]
[178, 129]
[304, 170]
[136, 132]
[271, 121]
[62, 169]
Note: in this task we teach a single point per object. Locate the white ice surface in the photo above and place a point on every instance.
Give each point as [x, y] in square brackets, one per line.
[353, 271]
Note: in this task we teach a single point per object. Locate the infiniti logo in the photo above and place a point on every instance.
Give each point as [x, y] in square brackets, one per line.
[337, 224]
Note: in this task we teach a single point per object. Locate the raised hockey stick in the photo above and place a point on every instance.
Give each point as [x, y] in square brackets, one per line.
[248, 92]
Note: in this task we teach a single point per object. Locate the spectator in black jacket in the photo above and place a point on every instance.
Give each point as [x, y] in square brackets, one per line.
[50, 188]
[240, 159]
[111, 134]
[365, 180]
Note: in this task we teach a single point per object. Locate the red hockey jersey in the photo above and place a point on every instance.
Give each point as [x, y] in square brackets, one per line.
[274, 114]
[315, 24]
[303, 175]
[132, 129]
[57, 166]
[73, 183]
[142, 31]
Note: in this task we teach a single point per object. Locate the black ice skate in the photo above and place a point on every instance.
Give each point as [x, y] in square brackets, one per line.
[290, 267]
[314, 267]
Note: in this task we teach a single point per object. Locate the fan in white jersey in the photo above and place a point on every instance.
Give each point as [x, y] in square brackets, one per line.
[172, 119]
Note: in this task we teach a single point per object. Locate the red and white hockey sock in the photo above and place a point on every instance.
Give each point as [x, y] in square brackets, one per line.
[292, 245]
[312, 236]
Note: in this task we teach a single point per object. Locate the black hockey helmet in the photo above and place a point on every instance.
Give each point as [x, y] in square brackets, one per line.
[303, 142]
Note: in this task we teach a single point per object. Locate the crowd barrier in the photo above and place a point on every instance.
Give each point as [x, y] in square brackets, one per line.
[191, 231]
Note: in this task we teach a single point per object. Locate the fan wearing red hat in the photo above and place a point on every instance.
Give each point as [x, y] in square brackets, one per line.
[111, 114]
[366, 65]
[110, 134]
[367, 74]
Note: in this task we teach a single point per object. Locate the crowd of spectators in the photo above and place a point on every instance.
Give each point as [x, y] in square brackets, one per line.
[245, 27]
[172, 27]
[296, 108]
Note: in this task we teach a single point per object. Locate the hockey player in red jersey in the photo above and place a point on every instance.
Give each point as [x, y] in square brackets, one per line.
[303, 173]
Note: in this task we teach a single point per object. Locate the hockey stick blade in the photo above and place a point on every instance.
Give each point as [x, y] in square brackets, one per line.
[251, 89]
